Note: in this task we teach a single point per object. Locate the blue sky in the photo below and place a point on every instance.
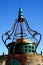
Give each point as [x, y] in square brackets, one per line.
[33, 12]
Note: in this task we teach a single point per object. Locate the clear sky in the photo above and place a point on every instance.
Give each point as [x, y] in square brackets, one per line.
[33, 12]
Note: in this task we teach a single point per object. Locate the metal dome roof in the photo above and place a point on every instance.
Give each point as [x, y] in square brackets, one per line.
[23, 40]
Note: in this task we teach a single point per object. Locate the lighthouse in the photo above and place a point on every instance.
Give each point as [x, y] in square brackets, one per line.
[23, 42]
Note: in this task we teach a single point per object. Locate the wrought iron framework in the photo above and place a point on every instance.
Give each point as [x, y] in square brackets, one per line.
[12, 35]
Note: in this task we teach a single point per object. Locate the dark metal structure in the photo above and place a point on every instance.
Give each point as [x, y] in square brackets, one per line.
[18, 32]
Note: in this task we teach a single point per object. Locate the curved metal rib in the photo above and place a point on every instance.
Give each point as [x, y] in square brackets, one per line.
[8, 35]
[34, 32]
